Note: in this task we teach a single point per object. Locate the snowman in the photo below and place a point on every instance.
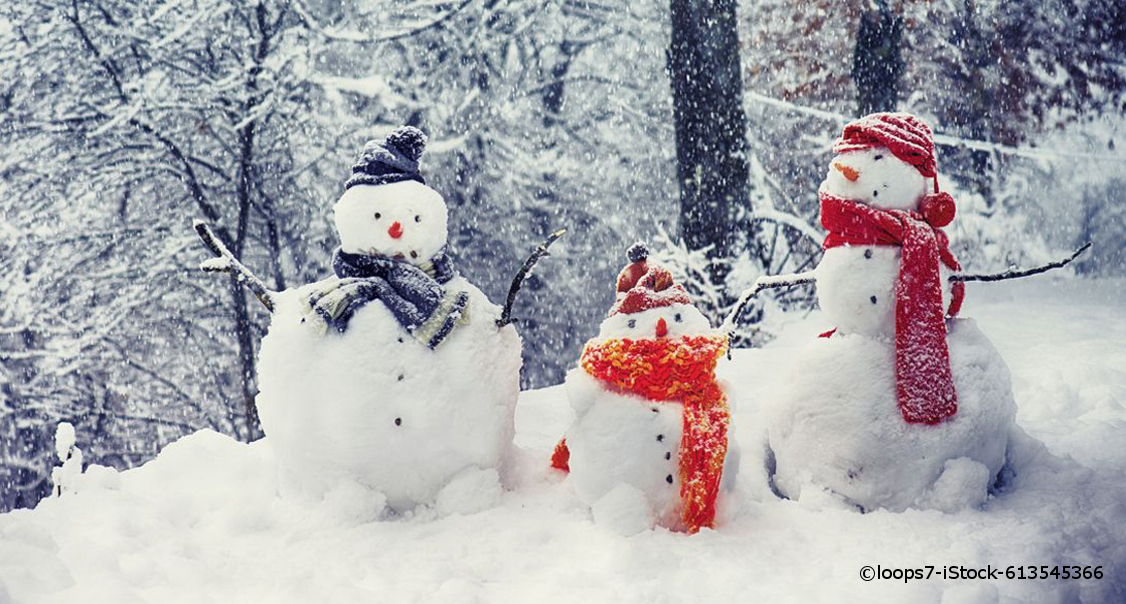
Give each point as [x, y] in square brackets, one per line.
[650, 437]
[901, 405]
[392, 375]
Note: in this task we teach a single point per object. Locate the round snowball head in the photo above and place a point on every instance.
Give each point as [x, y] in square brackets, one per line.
[405, 220]
[673, 321]
[877, 178]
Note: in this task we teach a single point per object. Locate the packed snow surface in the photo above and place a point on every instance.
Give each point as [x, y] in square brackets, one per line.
[204, 523]
[375, 408]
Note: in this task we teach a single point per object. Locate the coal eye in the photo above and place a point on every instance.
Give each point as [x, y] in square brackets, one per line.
[632, 323]
[378, 215]
[875, 193]
[418, 218]
[677, 318]
[398, 421]
[878, 157]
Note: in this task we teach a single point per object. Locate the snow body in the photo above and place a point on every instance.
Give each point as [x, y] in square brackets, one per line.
[838, 426]
[373, 405]
[624, 449]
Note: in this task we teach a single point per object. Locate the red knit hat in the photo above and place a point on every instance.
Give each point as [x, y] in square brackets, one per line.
[910, 139]
[642, 286]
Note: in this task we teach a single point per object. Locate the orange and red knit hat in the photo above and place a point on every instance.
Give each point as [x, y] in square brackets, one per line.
[911, 140]
[642, 286]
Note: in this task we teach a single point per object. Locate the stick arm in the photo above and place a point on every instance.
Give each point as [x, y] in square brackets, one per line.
[1015, 273]
[225, 262]
[790, 280]
[525, 270]
[764, 282]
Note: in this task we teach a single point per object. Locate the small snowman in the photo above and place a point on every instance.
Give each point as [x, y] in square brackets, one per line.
[650, 439]
[395, 374]
[902, 405]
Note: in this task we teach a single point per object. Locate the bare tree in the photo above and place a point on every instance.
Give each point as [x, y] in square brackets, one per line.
[711, 130]
[129, 119]
[877, 60]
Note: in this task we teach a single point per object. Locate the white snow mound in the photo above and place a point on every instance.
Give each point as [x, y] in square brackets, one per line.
[837, 425]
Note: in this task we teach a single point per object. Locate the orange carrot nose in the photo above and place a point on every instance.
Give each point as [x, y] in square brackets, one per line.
[396, 230]
[850, 173]
[662, 328]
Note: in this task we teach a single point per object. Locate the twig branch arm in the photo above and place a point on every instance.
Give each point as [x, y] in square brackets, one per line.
[773, 281]
[764, 282]
[225, 262]
[1014, 273]
[539, 252]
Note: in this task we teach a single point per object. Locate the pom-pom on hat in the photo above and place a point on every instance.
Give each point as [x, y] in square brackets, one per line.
[911, 140]
[642, 286]
[393, 159]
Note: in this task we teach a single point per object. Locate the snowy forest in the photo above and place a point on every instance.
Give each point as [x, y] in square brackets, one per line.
[701, 128]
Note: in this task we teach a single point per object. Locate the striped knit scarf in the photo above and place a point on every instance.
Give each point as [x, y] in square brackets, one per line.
[680, 370]
[414, 295]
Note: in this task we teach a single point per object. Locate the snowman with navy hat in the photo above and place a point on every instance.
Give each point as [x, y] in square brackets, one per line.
[393, 374]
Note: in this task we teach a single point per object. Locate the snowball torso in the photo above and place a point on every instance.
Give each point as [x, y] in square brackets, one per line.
[856, 288]
[624, 439]
[375, 406]
[838, 425]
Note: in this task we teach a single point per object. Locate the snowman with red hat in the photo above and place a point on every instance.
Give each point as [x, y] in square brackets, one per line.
[649, 444]
[902, 405]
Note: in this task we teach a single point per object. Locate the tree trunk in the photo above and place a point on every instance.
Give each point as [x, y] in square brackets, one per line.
[877, 61]
[973, 40]
[711, 130]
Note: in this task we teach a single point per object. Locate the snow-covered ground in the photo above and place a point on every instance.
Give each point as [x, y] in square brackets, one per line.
[202, 523]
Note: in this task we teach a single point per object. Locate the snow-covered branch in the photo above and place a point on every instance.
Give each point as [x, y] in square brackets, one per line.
[1016, 273]
[360, 38]
[225, 262]
[762, 283]
[525, 270]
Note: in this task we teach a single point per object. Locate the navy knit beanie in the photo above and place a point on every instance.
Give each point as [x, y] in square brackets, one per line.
[393, 159]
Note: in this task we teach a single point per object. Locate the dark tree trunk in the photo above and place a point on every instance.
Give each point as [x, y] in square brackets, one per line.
[977, 100]
[243, 328]
[877, 61]
[711, 128]
[246, 176]
[553, 92]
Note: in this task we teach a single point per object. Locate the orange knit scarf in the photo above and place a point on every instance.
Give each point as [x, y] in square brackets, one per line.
[682, 370]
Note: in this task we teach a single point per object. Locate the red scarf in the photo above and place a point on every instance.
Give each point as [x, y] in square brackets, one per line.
[682, 370]
[924, 383]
